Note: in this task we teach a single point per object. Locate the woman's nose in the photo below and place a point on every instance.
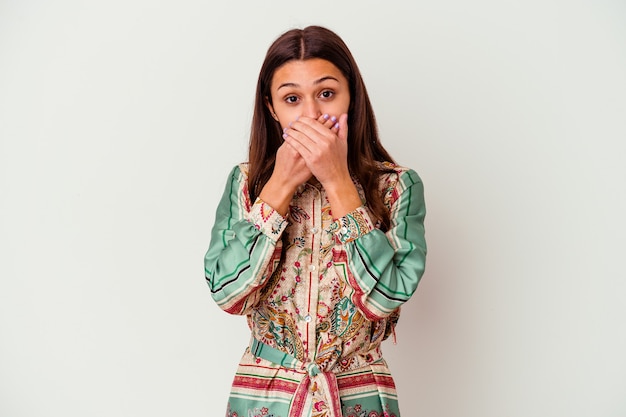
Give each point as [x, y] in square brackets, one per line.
[311, 109]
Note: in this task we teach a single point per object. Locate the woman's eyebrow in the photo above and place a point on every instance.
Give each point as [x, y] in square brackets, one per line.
[327, 77]
[287, 85]
[318, 81]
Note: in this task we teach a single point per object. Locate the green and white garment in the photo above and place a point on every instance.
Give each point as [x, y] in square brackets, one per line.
[320, 295]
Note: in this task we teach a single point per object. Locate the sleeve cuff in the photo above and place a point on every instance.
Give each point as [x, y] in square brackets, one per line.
[267, 220]
[353, 225]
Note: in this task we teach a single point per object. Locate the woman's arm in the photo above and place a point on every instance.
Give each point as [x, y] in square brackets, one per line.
[245, 247]
[385, 268]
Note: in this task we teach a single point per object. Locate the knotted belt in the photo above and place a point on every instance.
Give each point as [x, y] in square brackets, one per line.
[314, 380]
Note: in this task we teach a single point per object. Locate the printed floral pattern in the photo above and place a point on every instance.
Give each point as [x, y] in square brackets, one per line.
[310, 257]
[358, 411]
[257, 412]
[308, 290]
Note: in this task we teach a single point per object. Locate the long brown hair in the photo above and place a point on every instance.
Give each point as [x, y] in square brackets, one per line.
[364, 148]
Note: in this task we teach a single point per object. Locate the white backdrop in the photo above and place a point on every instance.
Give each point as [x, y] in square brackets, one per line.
[120, 119]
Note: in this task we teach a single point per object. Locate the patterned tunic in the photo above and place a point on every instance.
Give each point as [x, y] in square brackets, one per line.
[320, 295]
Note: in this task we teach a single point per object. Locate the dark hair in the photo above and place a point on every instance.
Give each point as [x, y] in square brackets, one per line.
[364, 148]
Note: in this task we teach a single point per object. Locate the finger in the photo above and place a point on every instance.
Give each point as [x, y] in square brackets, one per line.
[335, 127]
[323, 118]
[297, 145]
[327, 120]
[311, 128]
[332, 123]
[342, 126]
[298, 140]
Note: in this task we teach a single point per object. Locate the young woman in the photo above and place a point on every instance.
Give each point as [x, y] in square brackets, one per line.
[318, 240]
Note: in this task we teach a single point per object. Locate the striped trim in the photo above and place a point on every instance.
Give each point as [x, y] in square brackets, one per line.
[261, 398]
[264, 384]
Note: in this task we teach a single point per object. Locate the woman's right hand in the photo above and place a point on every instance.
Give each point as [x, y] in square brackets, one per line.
[290, 168]
[289, 172]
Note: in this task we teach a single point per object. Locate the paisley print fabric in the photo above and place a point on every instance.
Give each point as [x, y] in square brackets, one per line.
[322, 292]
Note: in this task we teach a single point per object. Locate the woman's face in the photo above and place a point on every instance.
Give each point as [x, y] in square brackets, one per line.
[310, 88]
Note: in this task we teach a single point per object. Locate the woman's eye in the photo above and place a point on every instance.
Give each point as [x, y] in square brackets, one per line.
[291, 99]
[326, 94]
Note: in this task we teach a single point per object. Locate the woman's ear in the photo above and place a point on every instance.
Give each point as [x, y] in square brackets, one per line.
[271, 108]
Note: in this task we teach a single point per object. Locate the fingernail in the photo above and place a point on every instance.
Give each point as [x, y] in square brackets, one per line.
[285, 129]
[326, 117]
[336, 126]
[334, 119]
[285, 135]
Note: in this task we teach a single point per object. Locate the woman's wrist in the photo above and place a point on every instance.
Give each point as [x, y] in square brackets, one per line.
[278, 194]
[343, 196]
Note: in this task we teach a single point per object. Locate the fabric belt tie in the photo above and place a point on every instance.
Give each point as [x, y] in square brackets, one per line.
[314, 380]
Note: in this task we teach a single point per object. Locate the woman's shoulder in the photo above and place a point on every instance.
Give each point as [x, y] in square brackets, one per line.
[237, 178]
[244, 168]
[395, 180]
[239, 171]
[392, 173]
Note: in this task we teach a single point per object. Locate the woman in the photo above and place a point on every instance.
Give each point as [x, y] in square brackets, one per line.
[318, 240]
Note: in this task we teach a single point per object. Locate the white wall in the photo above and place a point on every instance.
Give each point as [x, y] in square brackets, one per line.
[120, 120]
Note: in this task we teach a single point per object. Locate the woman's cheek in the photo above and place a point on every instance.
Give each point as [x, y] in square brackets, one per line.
[337, 110]
[287, 117]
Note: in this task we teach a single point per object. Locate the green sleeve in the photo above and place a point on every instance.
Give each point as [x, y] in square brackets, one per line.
[245, 247]
[385, 268]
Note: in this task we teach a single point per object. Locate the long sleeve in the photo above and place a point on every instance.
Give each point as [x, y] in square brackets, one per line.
[385, 268]
[245, 247]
